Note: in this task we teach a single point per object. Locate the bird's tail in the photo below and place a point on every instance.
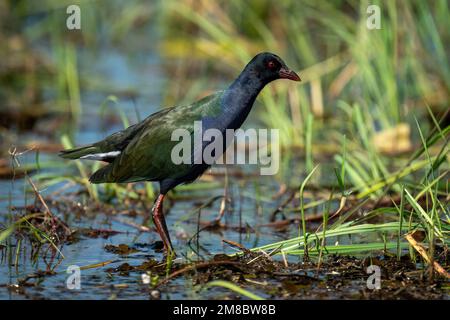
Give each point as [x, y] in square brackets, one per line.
[77, 153]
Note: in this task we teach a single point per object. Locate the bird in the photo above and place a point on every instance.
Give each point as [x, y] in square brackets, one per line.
[142, 152]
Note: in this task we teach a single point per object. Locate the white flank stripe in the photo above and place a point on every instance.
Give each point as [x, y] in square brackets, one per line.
[101, 156]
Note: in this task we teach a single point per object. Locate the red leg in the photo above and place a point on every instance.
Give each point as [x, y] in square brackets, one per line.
[160, 223]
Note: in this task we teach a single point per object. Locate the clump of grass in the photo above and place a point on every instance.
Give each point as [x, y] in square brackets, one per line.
[421, 208]
[37, 223]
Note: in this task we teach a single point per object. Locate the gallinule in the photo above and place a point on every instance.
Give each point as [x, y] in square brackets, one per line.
[142, 152]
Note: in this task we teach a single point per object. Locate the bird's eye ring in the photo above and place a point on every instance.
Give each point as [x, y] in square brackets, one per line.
[271, 65]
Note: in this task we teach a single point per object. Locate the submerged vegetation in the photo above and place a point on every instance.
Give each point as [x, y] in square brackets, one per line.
[364, 172]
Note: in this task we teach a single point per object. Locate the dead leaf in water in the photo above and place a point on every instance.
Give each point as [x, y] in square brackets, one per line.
[121, 249]
[97, 233]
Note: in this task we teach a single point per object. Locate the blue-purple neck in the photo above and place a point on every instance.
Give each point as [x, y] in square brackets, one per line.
[238, 99]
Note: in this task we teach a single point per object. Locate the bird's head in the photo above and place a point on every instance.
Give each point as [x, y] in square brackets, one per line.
[269, 67]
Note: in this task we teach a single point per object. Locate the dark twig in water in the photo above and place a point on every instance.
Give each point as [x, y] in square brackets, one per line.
[281, 191]
[54, 220]
[223, 203]
[49, 216]
[281, 207]
[235, 245]
[421, 250]
[98, 265]
[133, 224]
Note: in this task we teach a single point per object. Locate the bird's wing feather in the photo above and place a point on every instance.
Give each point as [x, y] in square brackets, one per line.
[112, 146]
[147, 156]
[119, 141]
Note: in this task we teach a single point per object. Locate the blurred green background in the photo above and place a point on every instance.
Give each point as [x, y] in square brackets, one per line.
[202, 45]
[131, 58]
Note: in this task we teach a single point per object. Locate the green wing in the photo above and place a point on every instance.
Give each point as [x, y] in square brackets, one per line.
[147, 156]
[107, 149]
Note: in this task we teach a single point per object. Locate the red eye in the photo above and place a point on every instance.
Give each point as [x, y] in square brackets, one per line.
[271, 65]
